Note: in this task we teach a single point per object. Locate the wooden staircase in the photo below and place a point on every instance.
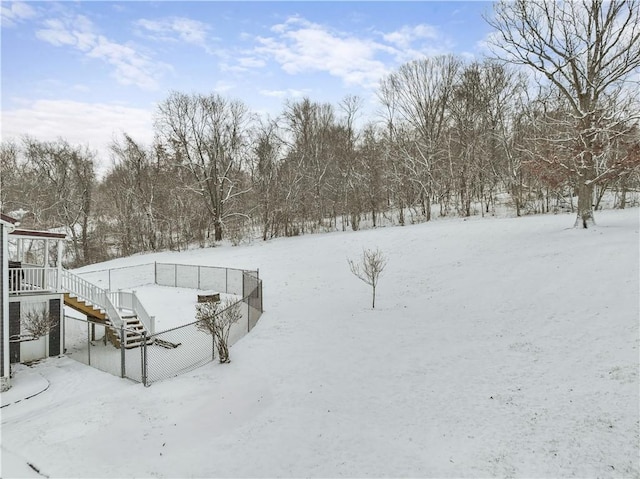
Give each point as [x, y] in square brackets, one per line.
[134, 328]
[85, 307]
[133, 334]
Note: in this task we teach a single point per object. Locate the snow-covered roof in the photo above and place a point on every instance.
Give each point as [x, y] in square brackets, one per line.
[37, 234]
[7, 219]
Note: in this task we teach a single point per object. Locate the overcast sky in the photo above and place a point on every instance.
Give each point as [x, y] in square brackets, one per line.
[88, 70]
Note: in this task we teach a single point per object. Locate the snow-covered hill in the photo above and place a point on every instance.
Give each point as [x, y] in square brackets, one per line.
[498, 347]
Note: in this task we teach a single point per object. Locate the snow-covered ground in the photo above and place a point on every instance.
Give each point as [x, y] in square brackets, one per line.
[498, 347]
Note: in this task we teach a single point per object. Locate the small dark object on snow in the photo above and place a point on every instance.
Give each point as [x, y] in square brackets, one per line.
[166, 344]
[206, 297]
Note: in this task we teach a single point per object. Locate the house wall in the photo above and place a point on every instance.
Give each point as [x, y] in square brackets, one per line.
[55, 336]
[14, 329]
[46, 346]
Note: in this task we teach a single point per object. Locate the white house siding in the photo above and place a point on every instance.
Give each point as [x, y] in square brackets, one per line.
[4, 311]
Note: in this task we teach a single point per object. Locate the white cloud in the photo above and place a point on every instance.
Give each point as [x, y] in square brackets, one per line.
[131, 66]
[89, 124]
[484, 46]
[242, 64]
[81, 88]
[288, 93]
[411, 42]
[14, 12]
[251, 62]
[406, 36]
[174, 29]
[302, 46]
[223, 86]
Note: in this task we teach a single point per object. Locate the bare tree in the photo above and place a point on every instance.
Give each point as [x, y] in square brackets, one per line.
[216, 318]
[207, 135]
[10, 179]
[369, 269]
[588, 51]
[310, 127]
[61, 180]
[419, 94]
[267, 153]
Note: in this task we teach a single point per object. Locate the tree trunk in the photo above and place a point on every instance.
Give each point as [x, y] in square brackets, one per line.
[217, 228]
[623, 198]
[585, 217]
[373, 303]
[428, 207]
[623, 195]
[599, 195]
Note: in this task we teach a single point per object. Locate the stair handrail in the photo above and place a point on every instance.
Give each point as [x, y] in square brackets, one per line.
[133, 303]
[87, 291]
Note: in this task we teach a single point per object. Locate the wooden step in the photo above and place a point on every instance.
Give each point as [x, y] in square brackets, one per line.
[133, 332]
[84, 307]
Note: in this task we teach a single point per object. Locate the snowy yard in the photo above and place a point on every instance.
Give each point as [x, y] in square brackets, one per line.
[173, 307]
[498, 347]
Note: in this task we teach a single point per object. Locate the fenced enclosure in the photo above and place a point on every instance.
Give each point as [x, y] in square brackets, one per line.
[174, 351]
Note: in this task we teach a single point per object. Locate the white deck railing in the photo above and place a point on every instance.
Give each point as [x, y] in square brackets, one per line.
[32, 279]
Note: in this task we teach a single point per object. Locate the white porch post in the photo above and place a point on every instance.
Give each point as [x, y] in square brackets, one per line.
[46, 253]
[19, 250]
[59, 266]
[5, 381]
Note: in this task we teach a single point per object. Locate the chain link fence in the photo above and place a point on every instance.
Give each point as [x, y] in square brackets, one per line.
[222, 280]
[127, 277]
[176, 350]
[98, 345]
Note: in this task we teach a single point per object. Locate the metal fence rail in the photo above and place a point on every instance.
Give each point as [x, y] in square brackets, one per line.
[171, 352]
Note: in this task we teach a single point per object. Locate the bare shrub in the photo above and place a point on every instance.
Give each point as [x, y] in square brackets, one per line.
[38, 323]
[369, 269]
[216, 318]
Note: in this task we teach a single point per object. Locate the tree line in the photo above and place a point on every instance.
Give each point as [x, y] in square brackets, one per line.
[450, 137]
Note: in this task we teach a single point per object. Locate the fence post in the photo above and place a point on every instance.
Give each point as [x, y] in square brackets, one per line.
[175, 275]
[88, 343]
[143, 358]
[63, 324]
[109, 271]
[123, 356]
[155, 272]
